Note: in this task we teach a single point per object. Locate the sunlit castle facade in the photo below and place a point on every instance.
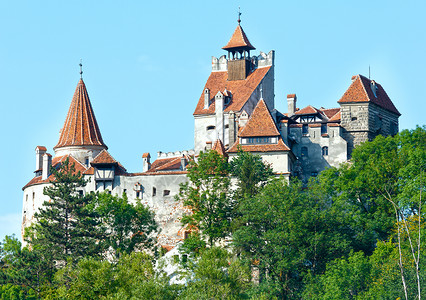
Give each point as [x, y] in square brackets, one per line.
[236, 110]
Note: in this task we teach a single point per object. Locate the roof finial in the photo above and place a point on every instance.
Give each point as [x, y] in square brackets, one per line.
[261, 91]
[369, 73]
[239, 14]
[81, 69]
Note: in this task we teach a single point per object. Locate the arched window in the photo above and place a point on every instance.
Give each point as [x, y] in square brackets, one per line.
[304, 152]
[210, 127]
[324, 151]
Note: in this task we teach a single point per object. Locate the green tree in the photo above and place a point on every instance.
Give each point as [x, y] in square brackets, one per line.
[207, 195]
[65, 227]
[251, 173]
[290, 231]
[217, 274]
[129, 227]
[23, 273]
[132, 276]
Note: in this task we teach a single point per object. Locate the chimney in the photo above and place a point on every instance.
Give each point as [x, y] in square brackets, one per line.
[206, 98]
[219, 102]
[232, 131]
[47, 163]
[146, 158]
[40, 151]
[183, 163]
[291, 102]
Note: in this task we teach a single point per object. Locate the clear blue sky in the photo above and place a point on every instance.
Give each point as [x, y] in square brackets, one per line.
[145, 66]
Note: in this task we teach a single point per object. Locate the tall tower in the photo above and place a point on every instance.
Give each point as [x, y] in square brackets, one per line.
[80, 135]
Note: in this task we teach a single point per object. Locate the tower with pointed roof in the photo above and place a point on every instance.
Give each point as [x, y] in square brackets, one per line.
[232, 90]
[80, 135]
[366, 112]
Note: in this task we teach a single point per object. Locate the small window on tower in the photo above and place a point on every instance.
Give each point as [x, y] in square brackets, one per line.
[305, 129]
[138, 194]
[324, 151]
[323, 129]
[154, 191]
[210, 127]
[87, 161]
[166, 192]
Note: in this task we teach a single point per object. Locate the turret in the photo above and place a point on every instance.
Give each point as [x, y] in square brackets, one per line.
[238, 47]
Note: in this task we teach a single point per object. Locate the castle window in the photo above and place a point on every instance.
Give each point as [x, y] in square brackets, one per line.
[226, 126]
[259, 140]
[87, 161]
[154, 191]
[304, 152]
[354, 118]
[323, 129]
[211, 127]
[80, 193]
[305, 129]
[314, 174]
[166, 192]
[324, 151]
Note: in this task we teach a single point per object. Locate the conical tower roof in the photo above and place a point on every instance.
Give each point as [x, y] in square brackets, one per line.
[239, 40]
[80, 127]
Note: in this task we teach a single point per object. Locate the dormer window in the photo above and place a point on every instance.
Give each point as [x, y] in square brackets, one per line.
[374, 87]
[259, 140]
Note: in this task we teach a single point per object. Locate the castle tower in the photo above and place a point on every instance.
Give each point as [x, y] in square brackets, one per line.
[236, 84]
[80, 135]
[366, 111]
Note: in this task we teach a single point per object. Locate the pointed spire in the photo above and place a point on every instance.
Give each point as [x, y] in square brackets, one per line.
[219, 148]
[239, 40]
[80, 127]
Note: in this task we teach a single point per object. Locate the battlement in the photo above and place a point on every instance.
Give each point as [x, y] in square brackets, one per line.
[262, 60]
[175, 154]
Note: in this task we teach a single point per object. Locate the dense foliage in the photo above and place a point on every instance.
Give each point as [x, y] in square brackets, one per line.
[353, 232]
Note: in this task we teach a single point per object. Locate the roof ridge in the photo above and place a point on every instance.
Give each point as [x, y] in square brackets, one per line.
[363, 86]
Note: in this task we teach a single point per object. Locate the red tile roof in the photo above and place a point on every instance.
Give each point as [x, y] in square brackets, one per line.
[336, 117]
[307, 110]
[146, 155]
[241, 90]
[239, 40]
[360, 91]
[219, 148]
[80, 127]
[330, 112]
[260, 122]
[56, 163]
[171, 164]
[42, 148]
[291, 96]
[105, 158]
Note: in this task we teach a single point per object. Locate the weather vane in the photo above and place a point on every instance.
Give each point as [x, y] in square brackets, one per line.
[81, 69]
[239, 14]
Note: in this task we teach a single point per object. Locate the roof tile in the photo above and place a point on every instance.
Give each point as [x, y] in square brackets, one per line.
[361, 91]
[241, 90]
[80, 127]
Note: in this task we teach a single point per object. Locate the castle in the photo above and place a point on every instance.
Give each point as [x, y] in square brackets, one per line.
[236, 109]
